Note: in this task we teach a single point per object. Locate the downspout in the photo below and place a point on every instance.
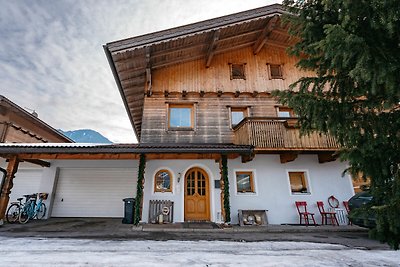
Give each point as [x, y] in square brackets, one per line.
[2, 178]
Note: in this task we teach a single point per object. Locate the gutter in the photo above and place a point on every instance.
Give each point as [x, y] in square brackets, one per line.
[119, 85]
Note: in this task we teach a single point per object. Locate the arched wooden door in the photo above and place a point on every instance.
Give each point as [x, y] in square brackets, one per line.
[197, 195]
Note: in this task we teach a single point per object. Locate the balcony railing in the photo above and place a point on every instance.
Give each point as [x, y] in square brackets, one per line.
[279, 134]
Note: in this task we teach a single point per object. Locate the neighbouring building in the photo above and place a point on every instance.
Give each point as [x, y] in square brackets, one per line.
[214, 139]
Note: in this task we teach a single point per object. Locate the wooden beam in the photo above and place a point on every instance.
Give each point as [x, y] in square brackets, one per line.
[271, 24]
[212, 47]
[7, 185]
[326, 157]
[38, 162]
[288, 157]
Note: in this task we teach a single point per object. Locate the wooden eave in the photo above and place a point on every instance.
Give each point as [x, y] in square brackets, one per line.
[129, 58]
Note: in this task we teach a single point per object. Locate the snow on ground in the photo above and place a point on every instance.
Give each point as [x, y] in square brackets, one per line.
[84, 252]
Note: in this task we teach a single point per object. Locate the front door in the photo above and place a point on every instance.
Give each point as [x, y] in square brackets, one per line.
[197, 195]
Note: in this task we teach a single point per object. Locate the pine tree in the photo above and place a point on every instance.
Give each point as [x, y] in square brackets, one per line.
[353, 47]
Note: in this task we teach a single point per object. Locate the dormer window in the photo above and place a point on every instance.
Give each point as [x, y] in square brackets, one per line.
[275, 71]
[237, 71]
[181, 116]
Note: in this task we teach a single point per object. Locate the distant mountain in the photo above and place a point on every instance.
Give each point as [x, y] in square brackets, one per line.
[86, 136]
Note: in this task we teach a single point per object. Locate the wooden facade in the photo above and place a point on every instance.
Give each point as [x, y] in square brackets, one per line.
[194, 66]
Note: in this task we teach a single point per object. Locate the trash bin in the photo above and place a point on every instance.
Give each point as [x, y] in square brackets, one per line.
[129, 210]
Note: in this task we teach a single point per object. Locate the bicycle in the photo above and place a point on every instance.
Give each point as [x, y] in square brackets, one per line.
[33, 208]
[13, 211]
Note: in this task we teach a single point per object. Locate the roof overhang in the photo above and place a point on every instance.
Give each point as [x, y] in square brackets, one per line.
[132, 60]
[124, 151]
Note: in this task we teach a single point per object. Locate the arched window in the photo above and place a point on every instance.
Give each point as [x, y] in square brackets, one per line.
[163, 181]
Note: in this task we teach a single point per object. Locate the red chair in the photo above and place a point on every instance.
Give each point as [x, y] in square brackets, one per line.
[325, 214]
[346, 206]
[301, 207]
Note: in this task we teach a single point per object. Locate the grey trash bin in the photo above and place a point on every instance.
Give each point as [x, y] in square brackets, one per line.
[129, 210]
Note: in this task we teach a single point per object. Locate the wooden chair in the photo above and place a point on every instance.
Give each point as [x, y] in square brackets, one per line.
[301, 207]
[325, 214]
[346, 207]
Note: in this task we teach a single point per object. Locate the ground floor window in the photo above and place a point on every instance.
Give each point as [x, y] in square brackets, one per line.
[245, 182]
[163, 181]
[298, 183]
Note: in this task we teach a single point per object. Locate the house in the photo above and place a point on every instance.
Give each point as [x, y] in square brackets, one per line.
[212, 139]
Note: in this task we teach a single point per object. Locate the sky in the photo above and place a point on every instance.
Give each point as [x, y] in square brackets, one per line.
[52, 60]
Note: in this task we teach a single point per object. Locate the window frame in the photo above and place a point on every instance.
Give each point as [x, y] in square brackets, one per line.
[192, 116]
[305, 178]
[243, 70]
[284, 109]
[171, 183]
[252, 182]
[280, 69]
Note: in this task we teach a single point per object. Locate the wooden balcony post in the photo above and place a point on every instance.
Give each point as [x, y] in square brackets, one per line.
[8, 184]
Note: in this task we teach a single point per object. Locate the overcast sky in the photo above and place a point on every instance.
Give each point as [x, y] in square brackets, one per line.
[52, 60]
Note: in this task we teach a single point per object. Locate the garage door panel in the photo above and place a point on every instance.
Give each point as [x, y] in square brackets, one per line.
[93, 192]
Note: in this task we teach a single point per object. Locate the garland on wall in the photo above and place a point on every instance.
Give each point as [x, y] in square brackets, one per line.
[139, 190]
[227, 206]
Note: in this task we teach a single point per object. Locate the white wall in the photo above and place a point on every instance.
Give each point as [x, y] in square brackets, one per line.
[273, 189]
[177, 167]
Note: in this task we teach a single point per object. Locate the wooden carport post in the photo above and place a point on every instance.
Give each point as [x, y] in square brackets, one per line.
[8, 184]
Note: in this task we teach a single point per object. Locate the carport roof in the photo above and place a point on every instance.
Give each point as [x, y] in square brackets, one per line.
[74, 148]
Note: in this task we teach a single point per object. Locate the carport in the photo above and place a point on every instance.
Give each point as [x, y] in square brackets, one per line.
[109, 183]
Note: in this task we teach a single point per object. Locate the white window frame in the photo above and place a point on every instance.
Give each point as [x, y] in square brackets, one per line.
[165, 193]
[255, 193]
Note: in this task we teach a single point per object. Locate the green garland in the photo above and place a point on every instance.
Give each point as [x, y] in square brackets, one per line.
[139, 189]
[227, 206]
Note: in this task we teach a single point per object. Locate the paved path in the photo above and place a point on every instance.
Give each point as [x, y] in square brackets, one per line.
[112, 229]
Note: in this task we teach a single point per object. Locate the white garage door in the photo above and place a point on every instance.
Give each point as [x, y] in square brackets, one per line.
[26, 182]
[84, 192]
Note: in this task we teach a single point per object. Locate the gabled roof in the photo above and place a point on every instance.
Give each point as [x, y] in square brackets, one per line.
[6, 103]
[132, 60]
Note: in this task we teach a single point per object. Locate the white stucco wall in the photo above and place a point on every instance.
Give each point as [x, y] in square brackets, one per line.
[178, 168]
[273, 189]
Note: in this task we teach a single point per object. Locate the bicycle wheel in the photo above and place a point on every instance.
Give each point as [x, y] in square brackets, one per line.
[24, 216]
[12, 213]
[41, 212]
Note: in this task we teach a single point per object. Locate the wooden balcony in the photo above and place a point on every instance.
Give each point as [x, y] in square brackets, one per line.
[277, 134]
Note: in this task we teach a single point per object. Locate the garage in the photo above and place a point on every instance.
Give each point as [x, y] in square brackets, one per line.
[93, 192]
[26, 181]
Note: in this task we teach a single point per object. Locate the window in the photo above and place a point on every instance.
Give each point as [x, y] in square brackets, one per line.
[284, 112]
[180, 116]
[298, 183]
[237, 115]
[275, 71]
[163, 181]
[237, 71]
[244, 182]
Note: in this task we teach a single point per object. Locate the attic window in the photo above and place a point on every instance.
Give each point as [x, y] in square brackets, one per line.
[237, 71]
[275, 71]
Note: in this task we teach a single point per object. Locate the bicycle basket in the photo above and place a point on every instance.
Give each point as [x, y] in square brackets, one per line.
[43, 195]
